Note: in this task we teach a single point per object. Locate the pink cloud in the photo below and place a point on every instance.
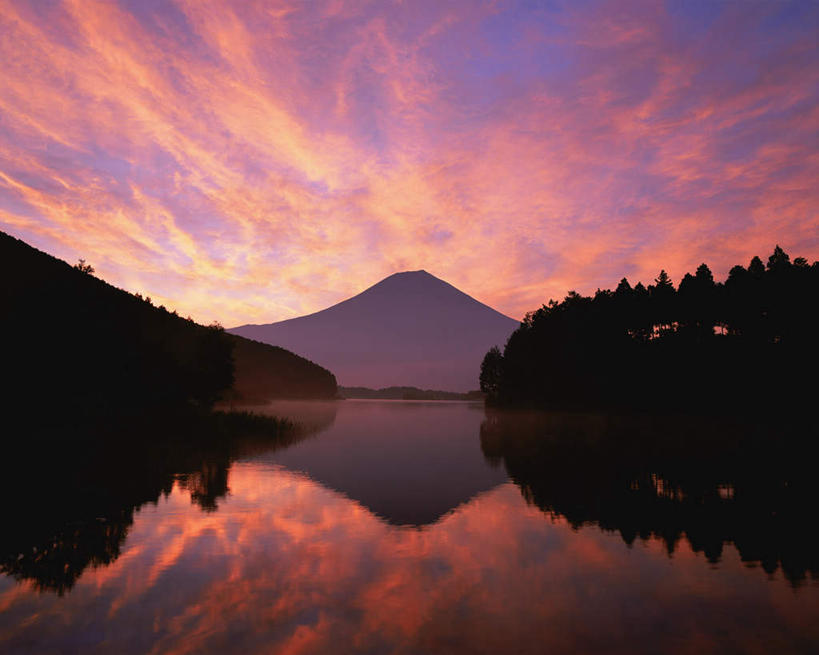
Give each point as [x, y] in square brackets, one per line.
[250, 162]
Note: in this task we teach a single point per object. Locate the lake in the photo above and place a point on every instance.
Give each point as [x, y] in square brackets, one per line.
[420, 527]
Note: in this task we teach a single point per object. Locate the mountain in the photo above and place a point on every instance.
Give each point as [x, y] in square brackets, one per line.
[410, 329]
[73, 345]
[264, 372]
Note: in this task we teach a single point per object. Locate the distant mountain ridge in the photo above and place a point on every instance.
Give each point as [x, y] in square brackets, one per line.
[410, 329]
[406, 393]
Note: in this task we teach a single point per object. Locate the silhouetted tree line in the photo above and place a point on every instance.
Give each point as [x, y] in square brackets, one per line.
[406, 393]
[75, 347]
[713, 482]
[749, 341]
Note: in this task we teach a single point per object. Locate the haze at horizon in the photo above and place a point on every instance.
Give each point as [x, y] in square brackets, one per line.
[251, 162]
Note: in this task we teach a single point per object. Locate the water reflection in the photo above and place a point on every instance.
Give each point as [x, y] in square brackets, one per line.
[69, 505]
[410, 463]
[239, 549]
[711, 482]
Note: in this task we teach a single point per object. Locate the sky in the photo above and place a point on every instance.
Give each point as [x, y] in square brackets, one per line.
[253, 161]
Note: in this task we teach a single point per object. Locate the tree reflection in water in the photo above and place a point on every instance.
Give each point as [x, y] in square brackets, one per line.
[70, 501]
[243, 553]
[710, 481]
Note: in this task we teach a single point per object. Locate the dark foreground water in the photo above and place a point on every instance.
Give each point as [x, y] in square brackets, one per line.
[400, 527]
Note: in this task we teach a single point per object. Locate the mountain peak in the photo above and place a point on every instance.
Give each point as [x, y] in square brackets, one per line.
[410, 282]
[409, 329]
[420, 273]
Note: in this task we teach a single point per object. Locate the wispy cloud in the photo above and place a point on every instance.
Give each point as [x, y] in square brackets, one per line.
[254, 161]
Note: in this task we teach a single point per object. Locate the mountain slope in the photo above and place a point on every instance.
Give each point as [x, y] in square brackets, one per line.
[410, 329]
[77, 345]
[264, 372]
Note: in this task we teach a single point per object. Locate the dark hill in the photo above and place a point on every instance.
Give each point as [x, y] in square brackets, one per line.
[410, 329]
[74, 345]
[264, 372]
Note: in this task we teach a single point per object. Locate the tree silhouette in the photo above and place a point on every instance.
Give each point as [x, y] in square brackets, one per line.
[623, 288]
[779, 260]
[83, 267]
[701, 346]
[662, 298]
[491, 371]
[756, 268]
[663, 281]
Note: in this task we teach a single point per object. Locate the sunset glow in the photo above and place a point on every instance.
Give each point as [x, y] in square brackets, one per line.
[319, 573]
[255, 161]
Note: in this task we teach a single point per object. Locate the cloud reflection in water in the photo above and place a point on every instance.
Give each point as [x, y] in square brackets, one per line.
[286, 565]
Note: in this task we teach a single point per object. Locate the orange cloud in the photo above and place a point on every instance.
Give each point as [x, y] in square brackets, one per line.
[249, 162]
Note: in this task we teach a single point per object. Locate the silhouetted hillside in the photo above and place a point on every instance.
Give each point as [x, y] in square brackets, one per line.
[264, 372]
[75, 346]
[410, 329]
[747, 344]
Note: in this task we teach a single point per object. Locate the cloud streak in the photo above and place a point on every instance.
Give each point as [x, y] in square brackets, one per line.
[254, 161]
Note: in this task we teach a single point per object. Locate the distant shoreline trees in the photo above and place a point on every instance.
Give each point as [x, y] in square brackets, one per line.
[703, 345]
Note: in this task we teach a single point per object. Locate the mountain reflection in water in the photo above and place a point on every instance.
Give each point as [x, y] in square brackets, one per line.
[614, 535]
[407, 462]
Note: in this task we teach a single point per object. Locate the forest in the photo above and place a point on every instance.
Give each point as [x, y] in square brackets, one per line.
[77, 349]
[747, 343]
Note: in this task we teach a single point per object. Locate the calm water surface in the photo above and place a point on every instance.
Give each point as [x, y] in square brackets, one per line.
[394, 527]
